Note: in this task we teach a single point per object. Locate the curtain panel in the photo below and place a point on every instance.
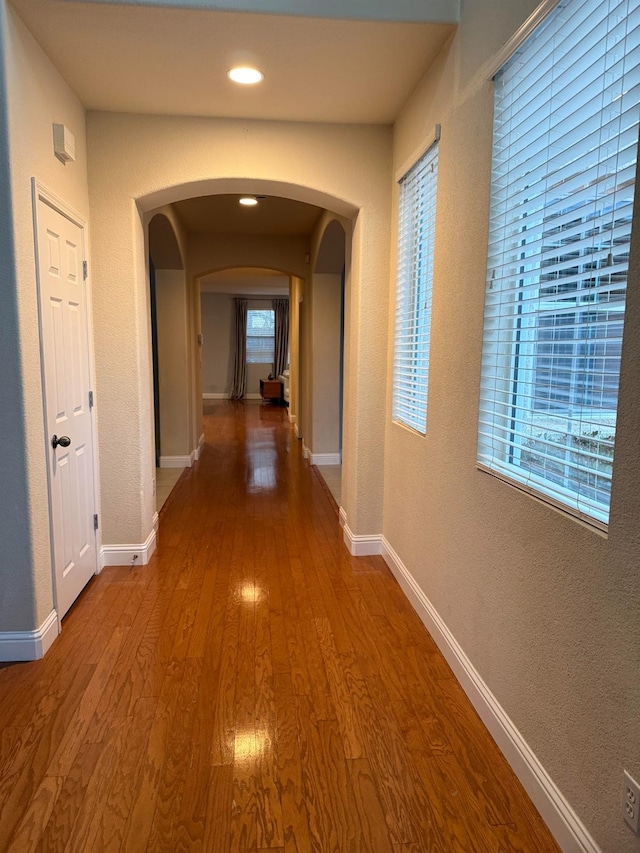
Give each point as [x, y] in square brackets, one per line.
[281, 312]
[239, 349]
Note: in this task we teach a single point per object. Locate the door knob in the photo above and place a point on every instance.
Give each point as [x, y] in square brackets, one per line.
[63, 441]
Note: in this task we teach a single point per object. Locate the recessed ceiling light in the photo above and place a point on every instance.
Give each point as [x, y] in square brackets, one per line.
[249, 201]
[245, 75]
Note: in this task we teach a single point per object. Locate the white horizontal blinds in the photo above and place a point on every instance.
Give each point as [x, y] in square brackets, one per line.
[260, 336]
[413, 302]
[564, 161]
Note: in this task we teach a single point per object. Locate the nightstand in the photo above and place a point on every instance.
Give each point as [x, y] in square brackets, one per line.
[271, 389]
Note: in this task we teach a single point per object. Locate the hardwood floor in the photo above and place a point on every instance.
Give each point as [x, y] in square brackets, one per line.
[253, 688]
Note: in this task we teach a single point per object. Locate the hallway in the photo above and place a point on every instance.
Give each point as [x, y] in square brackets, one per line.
[245, 691]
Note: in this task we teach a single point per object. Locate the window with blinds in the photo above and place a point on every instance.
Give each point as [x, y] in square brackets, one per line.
[413, 300]
[564, 162]
[260, 336]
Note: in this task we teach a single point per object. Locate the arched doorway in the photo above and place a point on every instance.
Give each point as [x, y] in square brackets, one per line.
[130, 515]
[228, 251]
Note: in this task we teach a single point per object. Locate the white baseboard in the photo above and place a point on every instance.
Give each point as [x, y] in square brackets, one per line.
[361, 546]
[176, 461]
[225, 396]
[296, 431]
[123, 555]
[342, 517]
[563, 822]
[29, 645]
[292, 418]
[198, 451]
[325, 458]
[155, 521]
[306, 453]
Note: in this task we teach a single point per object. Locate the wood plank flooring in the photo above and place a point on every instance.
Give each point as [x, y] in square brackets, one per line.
[254, 688]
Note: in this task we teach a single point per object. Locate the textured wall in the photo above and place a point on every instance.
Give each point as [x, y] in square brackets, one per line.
[134, 158]
[209, 253]
[180, 412]
[328, 261]
[216, 346]
[173, 363]
[37, 97]
[546, 608]
[327, 299]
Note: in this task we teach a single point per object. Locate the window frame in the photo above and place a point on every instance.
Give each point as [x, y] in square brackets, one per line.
[500, 360]
[271, 336]
[414, 287]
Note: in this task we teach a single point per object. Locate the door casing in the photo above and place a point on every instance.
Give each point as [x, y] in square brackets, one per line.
[41, 193]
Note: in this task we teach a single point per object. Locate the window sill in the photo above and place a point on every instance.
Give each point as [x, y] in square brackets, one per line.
[593, 524]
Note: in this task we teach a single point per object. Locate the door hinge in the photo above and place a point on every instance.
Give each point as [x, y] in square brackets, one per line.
[95, 522]
[91, 399]
[85, 269]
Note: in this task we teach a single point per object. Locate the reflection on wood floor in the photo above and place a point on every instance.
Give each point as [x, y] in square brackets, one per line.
[253, 688]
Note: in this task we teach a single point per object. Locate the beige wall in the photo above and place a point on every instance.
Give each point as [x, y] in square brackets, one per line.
[209, 253]
[541, 604]
[345, 168]
[37, 97]
[216, 346]
[330, 243]
[173, 363]
[178, 348]
[325, 367]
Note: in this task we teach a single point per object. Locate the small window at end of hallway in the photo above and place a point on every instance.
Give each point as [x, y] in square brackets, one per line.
[416, 225]
[260, 336]
[567, 106]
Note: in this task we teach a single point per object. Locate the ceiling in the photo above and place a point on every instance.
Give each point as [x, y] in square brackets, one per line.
[148, 56]
[271, 217]
[173, 61]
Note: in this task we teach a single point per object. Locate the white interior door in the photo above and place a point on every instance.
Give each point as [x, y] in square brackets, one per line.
[66, 370]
